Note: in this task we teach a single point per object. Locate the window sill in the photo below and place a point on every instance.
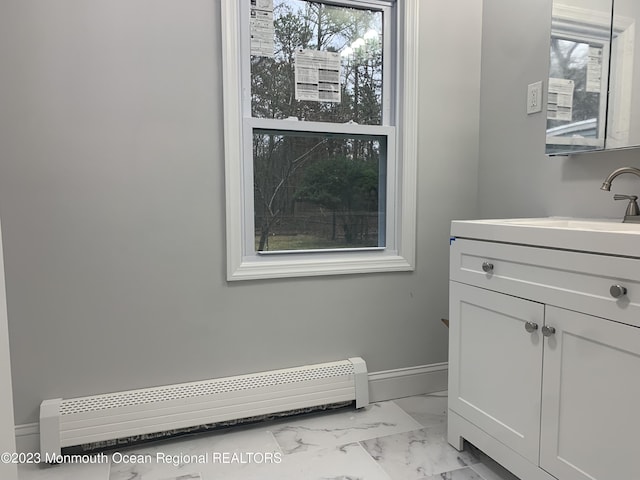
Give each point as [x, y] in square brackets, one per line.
[261, 267]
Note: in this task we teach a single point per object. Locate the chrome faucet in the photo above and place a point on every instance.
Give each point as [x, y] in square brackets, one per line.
[632, 215]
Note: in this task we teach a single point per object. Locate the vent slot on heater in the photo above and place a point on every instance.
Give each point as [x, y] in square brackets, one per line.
[102, 421]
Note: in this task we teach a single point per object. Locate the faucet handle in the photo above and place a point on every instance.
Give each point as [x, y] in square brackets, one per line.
[632, 208]
[619, 196]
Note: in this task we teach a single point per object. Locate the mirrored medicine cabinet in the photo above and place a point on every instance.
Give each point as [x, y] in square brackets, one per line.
[593, 92]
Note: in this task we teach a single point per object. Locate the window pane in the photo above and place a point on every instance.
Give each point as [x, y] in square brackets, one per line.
[318, 191]
[326, 65]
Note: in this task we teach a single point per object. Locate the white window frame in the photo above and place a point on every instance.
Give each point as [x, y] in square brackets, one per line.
[243, 263]
[621, 87]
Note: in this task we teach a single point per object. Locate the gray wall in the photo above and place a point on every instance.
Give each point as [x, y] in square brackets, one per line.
[112, 203]
[516, 179]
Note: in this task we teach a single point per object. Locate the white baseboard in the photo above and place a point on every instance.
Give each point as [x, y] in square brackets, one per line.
[28, 438]
[385, 385]
[406, 382]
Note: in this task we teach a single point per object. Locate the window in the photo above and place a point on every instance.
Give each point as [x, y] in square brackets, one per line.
[320, 136]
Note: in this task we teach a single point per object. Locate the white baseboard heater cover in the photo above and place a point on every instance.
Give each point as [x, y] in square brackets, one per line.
[84, 420]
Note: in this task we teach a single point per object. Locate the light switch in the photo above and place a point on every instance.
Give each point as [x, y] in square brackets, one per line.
[534, 98]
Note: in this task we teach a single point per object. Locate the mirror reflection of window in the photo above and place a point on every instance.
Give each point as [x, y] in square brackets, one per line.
[578, 76]
[579, 67]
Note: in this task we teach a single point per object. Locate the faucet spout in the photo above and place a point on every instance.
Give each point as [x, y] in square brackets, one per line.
[607, 181]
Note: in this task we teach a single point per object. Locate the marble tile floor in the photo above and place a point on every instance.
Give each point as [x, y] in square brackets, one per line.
[403, 439]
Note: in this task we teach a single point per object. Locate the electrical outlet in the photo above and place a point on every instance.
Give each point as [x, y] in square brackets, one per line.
[534, 98]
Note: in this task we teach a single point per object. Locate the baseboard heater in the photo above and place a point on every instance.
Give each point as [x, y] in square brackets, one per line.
[103, 419]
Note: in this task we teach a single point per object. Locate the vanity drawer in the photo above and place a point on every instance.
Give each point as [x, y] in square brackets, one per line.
[578, 281]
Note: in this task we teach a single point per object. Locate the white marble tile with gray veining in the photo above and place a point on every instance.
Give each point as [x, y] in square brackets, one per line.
[429, 409]
[195, 455]
[418, 454]
[195, 476]
[339, 428]
[69, 471]
[346, 462]
[461, 474]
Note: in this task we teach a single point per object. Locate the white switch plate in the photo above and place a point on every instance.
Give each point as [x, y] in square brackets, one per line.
[534, 98]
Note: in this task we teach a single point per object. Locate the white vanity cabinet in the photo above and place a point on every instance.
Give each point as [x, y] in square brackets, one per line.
[544, 363]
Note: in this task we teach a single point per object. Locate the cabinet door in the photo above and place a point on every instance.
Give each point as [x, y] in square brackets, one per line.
[495, 365]
[590, 400]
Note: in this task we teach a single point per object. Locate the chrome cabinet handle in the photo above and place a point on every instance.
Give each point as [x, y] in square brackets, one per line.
[531, 327]
[548, 331]
[617, 291]
[487, 267]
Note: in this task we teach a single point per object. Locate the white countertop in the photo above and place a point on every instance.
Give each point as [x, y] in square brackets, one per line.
[604, 236]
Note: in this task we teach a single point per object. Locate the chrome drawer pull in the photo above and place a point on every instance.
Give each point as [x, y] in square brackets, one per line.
[548, 331]
[617, 291]
[531, 327]
[487, 267]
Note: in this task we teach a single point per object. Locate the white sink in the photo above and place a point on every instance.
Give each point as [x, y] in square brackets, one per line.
[606, 236]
